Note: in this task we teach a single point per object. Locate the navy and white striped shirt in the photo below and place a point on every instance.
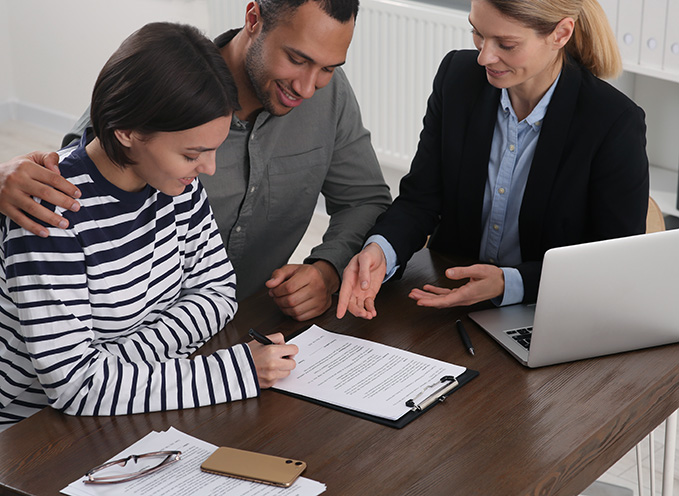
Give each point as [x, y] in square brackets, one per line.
[99, 319]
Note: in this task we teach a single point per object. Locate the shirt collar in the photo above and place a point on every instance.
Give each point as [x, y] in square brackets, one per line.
[236, 123]
[535, 118]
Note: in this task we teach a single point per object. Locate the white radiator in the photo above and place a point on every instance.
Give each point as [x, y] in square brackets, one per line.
[396, 50]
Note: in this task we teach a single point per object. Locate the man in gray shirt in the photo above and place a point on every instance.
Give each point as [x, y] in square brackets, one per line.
[283, 149]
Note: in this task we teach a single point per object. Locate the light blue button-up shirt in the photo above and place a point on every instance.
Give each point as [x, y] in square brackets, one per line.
[511, 155]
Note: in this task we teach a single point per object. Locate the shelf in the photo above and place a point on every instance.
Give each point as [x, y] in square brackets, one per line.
[651, 72]
[664, 189]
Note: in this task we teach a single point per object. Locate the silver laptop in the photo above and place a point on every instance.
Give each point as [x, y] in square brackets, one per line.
[595, 299]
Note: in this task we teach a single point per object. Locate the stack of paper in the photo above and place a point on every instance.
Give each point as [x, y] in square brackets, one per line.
[185, 476]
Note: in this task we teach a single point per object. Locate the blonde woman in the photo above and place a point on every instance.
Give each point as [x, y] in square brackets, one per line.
[524, 148]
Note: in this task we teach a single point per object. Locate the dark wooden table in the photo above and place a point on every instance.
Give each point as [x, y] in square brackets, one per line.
[511, 431]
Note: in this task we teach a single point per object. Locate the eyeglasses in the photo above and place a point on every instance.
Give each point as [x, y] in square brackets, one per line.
[118, 471]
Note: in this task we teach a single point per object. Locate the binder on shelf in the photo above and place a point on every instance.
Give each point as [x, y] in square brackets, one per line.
[629, 30]
[369, 380]
[671, 55]
[653, 33]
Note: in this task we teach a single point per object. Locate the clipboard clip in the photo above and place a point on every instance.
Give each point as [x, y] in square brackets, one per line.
[439, 395]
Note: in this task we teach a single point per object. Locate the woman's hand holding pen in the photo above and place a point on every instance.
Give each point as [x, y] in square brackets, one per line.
[361, 280]
[273, 362]
[485, 282]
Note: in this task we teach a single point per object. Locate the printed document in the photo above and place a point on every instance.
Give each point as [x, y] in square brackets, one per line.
[362, 375]
[185, 476]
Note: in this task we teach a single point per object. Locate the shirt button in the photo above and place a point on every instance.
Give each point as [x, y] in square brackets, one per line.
[252, 190]
[492, 260]
[496, 227]
[512, 148]
[252, 136]
[238, 229]
[501, 191]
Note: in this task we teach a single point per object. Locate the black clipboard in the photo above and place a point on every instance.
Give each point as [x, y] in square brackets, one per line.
[448, 386]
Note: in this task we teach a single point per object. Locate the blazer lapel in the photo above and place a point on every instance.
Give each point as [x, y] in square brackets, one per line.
[474, 166]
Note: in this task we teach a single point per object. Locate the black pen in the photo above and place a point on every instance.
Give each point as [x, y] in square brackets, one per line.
[260, 338]
[465, 337]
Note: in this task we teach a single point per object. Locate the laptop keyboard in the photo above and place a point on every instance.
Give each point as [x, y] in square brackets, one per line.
[521, 336]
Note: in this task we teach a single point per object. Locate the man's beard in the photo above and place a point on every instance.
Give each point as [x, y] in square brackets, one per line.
[256, 72]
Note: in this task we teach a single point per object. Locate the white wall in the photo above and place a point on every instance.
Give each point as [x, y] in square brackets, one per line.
[58, 47]
[6, 72]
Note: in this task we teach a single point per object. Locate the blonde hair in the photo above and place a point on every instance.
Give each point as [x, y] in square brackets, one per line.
[593, 43]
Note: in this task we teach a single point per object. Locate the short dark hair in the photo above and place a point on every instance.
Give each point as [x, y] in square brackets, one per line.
[273, 11]
[164, 77]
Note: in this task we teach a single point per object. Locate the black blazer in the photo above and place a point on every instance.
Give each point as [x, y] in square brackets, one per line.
[588, 180]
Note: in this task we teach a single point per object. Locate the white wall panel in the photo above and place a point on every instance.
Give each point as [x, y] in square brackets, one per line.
[58, 48]
[6, 70]
[396, 51]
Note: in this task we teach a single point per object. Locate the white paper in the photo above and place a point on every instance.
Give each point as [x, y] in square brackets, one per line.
[185, 476]
[362, 375]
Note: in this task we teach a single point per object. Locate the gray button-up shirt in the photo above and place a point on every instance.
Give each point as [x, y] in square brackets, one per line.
[271, 172]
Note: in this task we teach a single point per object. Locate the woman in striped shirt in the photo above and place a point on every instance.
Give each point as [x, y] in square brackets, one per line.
[99, 319]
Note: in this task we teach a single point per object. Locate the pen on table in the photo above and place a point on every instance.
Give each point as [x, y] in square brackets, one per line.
[465, 337]
[260, 338]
